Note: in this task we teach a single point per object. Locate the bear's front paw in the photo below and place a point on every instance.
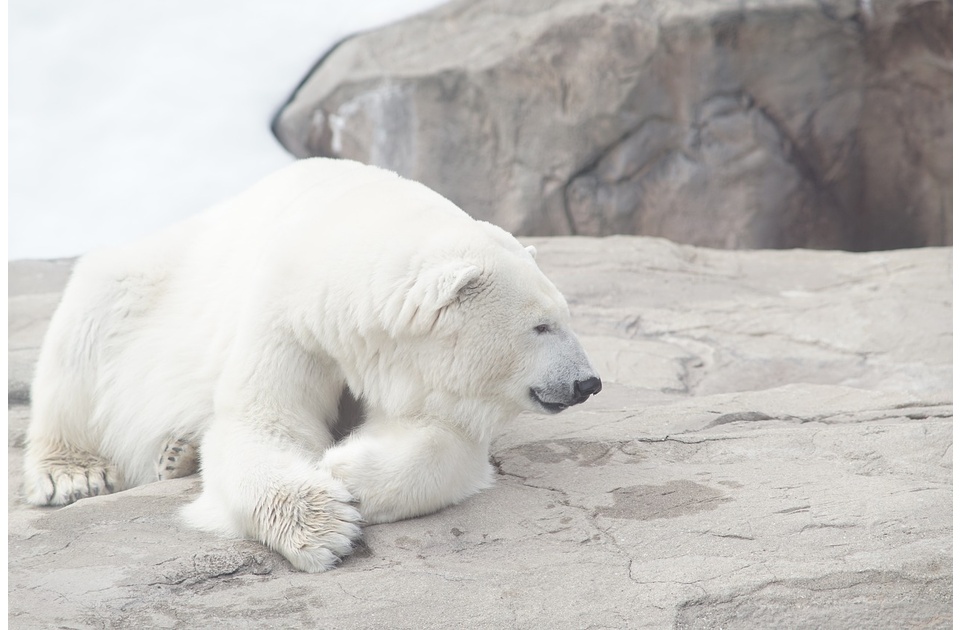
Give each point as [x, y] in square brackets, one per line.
[313, 525]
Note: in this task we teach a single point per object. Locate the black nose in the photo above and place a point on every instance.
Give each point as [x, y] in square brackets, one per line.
[585, 388]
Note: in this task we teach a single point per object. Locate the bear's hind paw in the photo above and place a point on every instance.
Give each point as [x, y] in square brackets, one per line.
[180, 458]
[65, 478]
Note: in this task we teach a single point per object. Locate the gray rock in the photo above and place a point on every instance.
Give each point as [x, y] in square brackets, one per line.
[765, 124]
[772, 448]
[33, 293]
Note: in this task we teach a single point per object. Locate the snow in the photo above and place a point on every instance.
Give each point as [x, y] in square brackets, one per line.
[127, 116]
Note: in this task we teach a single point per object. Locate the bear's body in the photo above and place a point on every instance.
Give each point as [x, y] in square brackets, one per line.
[241, 327]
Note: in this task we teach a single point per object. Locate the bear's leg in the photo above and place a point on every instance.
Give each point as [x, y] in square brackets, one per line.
[180, 458]
[259, 458]
[58, 474]
[400, 469]
[61, 460]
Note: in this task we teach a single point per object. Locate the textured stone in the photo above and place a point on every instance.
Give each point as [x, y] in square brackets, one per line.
[764, 124]
[33, 294]
[772, 447]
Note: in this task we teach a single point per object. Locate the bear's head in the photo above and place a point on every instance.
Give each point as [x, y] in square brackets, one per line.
[490, 327]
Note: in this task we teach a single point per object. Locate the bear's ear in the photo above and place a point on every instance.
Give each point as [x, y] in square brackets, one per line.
[532, 250]
[433, 290]
[452, 278]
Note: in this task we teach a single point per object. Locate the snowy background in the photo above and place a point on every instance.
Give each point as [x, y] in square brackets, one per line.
[127, 116]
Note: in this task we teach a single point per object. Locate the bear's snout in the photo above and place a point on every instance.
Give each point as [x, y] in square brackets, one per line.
[581, 391]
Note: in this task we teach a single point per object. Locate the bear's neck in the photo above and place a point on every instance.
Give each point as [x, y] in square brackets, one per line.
[477, 418]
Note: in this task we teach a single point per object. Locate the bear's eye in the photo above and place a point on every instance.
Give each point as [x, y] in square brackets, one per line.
[542, 328]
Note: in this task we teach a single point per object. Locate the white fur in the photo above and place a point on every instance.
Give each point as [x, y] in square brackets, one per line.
[243, 325]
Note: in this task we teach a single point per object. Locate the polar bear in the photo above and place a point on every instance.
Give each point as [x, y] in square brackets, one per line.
[239, 329]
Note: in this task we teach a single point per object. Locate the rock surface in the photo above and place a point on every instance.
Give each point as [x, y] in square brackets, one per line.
[760, 124]
[772, 448]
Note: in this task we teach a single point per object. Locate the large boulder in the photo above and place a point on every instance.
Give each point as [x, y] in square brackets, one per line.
[767, 124]
[772, 448]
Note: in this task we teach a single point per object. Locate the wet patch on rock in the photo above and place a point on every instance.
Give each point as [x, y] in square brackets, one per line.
[581, 452]
[670, 500]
